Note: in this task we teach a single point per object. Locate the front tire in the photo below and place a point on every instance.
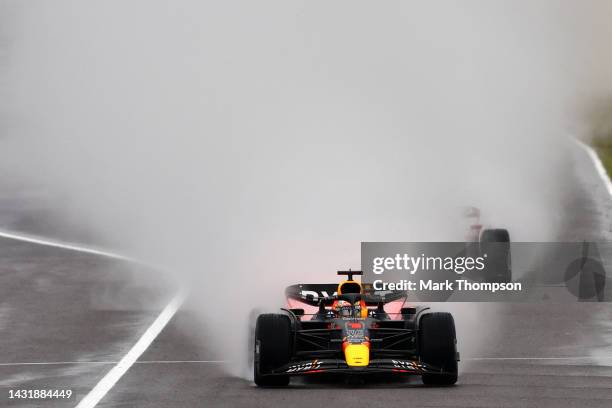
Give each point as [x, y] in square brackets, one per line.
[438, 347]
[272, 349]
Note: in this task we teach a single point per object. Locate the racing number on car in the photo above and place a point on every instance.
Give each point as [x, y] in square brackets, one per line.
[355, 335]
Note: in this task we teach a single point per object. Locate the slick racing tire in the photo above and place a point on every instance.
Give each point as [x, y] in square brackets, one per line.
[250, 346]
[272, 349]
[496, 244]
[438, 347]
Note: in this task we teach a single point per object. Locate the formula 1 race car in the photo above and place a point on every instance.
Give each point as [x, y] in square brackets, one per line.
[495, 242]
[353, 331]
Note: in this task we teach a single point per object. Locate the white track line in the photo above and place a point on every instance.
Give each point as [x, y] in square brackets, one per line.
[17, 236]
[53, 363]
[181, 362]
[599, 167]
[536, 358]
[110, 379]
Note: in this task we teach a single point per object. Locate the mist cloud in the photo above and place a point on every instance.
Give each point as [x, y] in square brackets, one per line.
[260, 142]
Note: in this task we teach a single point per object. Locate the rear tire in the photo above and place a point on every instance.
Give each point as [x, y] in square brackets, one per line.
[496, 244]
[272, 349]
[438, 347]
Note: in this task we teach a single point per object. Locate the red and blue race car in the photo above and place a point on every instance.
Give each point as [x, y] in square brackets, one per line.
[350, 329]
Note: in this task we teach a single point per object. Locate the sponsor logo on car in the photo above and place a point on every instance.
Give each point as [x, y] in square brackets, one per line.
[407, 365]
[296, 368]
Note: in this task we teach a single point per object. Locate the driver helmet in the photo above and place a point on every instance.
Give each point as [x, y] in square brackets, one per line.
[343, 308]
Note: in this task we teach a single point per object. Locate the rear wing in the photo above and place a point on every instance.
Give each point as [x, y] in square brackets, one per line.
[313, 293]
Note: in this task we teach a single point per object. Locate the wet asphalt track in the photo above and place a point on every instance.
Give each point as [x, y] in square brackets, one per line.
[84, 312]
